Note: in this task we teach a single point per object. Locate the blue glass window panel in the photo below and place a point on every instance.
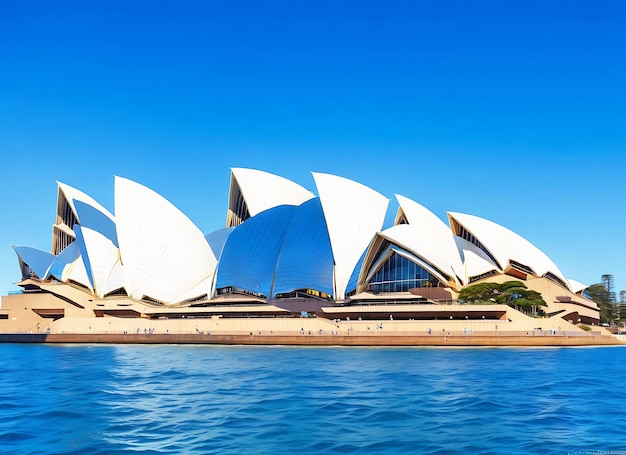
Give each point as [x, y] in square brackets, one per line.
[306, 258]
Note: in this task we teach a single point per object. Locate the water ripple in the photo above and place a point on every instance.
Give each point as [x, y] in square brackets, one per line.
[282, 400]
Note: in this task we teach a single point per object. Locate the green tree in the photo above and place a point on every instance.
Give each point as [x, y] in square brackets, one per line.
[599, 294]
[621, 308]
[512, 293]
[480, 293]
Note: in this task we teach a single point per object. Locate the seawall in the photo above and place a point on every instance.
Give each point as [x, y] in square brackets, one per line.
[315, 339]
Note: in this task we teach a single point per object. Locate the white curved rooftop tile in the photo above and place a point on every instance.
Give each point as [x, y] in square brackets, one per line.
[115, 281]
[433, 237]
[423, 244]
[78, 273]
[262, 190]
[505, 245]
[353, 213]
[163, 253]
[202, 289]
[576, 286]
[475, 261]
[100, 256]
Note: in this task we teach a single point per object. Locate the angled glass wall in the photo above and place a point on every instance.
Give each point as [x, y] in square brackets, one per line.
[399, 274]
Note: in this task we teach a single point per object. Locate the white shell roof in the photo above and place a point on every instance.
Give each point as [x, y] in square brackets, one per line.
[39, 261]
[506, 245]
[164, 256]
[475, 261]
[69, 265]
[62, 264]
[433, 239]
[353, 213]
[102, 256]
[71, 194]
[78, 273]
[204, 287]
[163, 253]
[115, 280]
[576, 286]
[262, 190]
[412, 239]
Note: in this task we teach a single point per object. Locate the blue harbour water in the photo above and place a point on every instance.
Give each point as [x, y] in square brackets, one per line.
[106, 399]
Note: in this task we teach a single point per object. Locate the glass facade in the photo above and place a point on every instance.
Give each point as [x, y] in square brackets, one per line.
[62, 240]
[398, 274]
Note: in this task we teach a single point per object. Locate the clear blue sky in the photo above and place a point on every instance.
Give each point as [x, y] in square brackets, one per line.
[514, 111]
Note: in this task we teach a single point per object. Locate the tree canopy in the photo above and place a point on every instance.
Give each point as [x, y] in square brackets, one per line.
[512, 293]
[608, 309]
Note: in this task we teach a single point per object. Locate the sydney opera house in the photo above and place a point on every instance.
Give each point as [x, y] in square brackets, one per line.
[288, 260]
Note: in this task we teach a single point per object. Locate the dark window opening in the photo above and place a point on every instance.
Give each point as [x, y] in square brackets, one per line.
[482, 276]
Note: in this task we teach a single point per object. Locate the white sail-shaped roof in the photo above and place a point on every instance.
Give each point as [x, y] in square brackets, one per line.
[505, 245]
[203, 289]
[66, 266]
[475, 261]
[96, 235]
[77, 272]
[115, 280]
[576, 286]
[262, 190]
[353, 213]
[433, 239]
[100, 254]
[72, 194]
[62, 264]
[412, 239]
[38, 261]
[163, 253]
[76, 207]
